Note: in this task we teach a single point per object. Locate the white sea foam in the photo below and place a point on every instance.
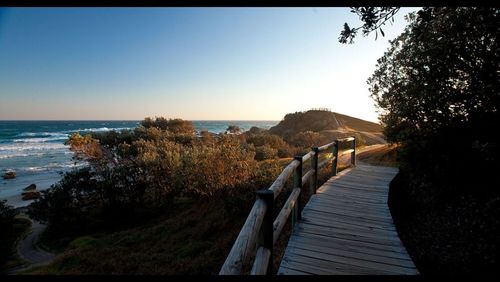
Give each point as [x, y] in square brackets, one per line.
[41, 140]
[31, 149]
[43, 134]
[101, 129]
[16, 147]
[52, 166]
[13, 155]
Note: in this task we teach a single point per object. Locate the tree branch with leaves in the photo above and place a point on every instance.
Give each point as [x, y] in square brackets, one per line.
[373, 17]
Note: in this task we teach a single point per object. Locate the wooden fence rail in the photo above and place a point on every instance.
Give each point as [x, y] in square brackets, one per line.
[260, 232]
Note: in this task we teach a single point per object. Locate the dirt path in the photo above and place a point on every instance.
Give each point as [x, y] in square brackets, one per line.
[28, 251]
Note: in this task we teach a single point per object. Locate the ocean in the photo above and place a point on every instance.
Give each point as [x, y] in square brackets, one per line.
[35, 150]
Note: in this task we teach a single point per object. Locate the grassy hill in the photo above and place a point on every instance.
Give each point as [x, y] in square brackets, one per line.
[329, 125]
[316, 121]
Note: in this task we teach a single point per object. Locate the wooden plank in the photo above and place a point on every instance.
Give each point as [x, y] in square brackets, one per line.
[282, 217]
[338, 220]
[278, 184]
[350, 185]
[347, 201]
[353, 228]
[335, 204]
[289, 271]
[353, 253]
[336, 195]
[312, 215]
[335, 221]
[345, 139]
[361, 177]
[350, 212]
[351, 243]
[344, 201]
[323, 163]
[313, 269]
[353, 194]
[336, 244]
[307, 175]
[307, 156]
[261, 261]
[345, 152]
[354, 215]
[336, 233]
[360, 189]
[324, 267]
[357, 191]
[326, 147]
[352, 261]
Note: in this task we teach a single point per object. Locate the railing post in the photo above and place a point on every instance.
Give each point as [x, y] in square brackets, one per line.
[313, 184]
[335, 157]
[267, 224]
[353, 154]
[297, 183]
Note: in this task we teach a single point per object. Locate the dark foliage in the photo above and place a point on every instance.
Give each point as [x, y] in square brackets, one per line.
[437, 87]
[373, 19]
[7, 236]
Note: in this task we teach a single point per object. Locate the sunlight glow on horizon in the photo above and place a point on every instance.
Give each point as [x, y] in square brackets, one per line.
[189, 63]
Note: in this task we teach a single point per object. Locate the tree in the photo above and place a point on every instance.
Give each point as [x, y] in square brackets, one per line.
[437, 88]
[442, 71]
[374, 18]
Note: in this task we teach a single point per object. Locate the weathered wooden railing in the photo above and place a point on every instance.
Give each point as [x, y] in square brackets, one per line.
[260, 232]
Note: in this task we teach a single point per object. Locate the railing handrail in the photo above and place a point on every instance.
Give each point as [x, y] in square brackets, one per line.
[260, 219]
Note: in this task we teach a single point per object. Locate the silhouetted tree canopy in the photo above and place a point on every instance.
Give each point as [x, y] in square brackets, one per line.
[441, 71]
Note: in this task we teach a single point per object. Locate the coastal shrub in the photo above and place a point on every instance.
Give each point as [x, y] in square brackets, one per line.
[68, 203]
[256, 130]
[7, 214]
[208, 169]
[239, 199]
[284, 150]
[147, 170]
[234, 129]
[175, 126]
[265, 152]
[307, 139]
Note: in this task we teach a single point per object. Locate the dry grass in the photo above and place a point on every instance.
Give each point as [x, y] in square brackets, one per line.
[384, 156]
[195, 240]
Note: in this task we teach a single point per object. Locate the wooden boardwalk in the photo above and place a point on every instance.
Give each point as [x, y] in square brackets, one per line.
[347, 228]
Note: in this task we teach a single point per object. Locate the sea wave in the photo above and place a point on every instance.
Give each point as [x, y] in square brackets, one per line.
[14, 155]
[31, 149]
[42, 134]
[52, 166]
[100, 129]
[16, 147]
[41, 140]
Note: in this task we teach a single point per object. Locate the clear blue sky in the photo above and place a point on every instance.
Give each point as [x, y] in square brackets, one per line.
[190, 63]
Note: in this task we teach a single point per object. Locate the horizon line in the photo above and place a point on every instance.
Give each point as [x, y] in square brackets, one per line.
[136, 119]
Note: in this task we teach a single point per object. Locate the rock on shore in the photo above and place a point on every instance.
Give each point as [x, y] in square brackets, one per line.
[9, 175]
[31, 187]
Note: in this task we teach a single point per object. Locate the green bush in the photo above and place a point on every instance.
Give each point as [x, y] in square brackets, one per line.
[265, 152]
